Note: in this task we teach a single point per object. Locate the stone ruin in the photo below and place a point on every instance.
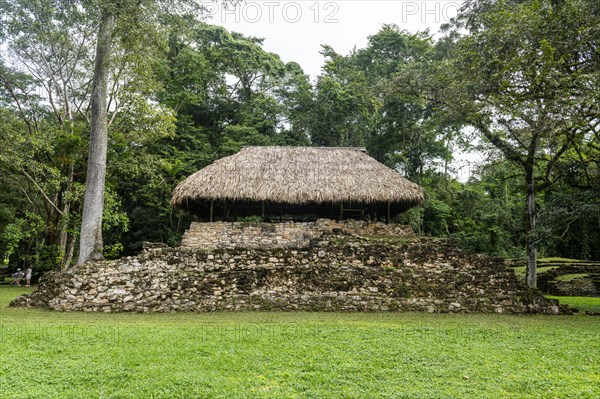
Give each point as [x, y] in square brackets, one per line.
[224, 235]
[318, 266]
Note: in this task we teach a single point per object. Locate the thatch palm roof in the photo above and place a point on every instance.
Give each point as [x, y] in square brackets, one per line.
[298, 175]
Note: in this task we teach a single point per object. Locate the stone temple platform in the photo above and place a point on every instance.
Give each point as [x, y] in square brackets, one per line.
[324, 266]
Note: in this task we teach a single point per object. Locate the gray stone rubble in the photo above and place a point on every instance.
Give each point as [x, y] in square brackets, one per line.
[333, 272]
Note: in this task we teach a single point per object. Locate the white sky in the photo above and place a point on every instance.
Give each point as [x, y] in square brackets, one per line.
[296, 29]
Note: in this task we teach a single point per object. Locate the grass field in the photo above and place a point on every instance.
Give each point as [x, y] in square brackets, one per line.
[521, 270]
[295, 355]
[583, 303]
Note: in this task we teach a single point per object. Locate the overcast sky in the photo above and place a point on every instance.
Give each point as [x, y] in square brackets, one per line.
[296, 29]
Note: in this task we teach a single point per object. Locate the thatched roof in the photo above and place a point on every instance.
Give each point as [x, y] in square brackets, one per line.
[298, 175]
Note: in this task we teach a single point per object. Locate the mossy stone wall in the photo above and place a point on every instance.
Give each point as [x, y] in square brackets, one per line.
[280, 235]
[332, 273]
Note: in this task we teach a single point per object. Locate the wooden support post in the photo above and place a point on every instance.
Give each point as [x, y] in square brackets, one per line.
[342, 211]
[212, 209]
[389, 212]
[263, 211]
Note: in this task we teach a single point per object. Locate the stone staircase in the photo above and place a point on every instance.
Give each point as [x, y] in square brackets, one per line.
[567, 277]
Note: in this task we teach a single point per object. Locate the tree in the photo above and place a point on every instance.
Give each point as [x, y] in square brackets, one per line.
[90, 241]
[136, 25]
[528, 85]
[44, 78]
[229, 92]
[571, 212]
[45, 90]
[369, 98]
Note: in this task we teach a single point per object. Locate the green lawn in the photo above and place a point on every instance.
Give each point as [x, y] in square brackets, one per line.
[560, 260]
[571, 277]
[295, 355]
[521, 270]
[583, 303]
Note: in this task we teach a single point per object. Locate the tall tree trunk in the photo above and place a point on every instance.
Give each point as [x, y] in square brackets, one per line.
[90, 244]
[530, 230]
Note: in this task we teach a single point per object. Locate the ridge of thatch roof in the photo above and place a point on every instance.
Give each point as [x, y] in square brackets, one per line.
[298, 175]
